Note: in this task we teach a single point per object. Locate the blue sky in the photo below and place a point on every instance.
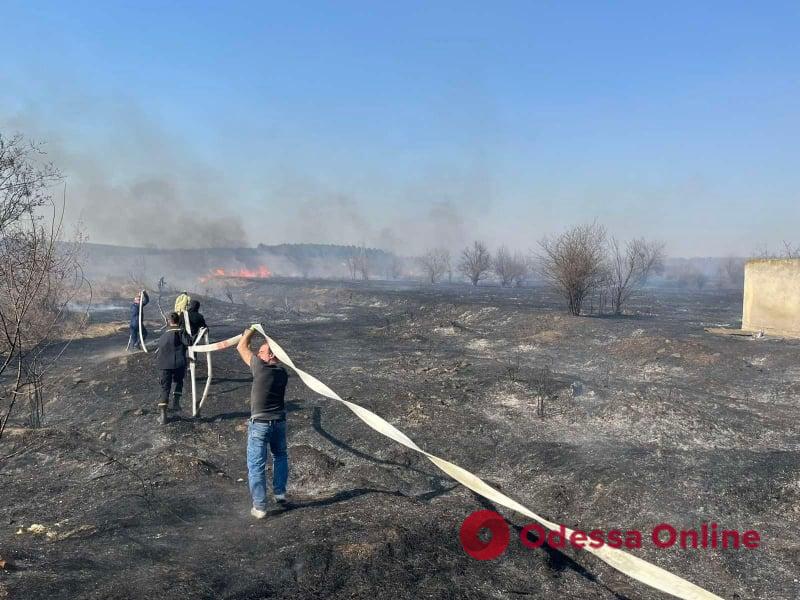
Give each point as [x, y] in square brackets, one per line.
[412, 124]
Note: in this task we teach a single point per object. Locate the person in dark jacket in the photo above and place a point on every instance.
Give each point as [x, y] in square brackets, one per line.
[172, 362]
[196, 320]
[142, 297]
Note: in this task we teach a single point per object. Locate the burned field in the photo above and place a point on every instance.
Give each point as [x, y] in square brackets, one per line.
[607, 423]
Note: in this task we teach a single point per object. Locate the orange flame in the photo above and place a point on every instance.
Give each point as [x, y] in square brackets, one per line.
[261, 272]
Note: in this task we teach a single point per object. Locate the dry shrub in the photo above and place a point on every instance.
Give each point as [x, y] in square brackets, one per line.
[39, 274]
[574, 263]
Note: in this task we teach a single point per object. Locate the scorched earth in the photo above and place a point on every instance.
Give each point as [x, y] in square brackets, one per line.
[597, 423]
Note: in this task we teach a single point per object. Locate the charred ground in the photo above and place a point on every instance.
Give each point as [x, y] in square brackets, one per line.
[593, 422]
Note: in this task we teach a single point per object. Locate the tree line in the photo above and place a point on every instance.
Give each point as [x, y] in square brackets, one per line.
[581, 261]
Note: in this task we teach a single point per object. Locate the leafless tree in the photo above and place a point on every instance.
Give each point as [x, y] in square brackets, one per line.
[574, 263]
[38, 274]
[303, 264]
[788, 250]
[510, 268]
[352, 265]
[688, 275]
[629, 268]
[395, 267]
[138, 273]
[162, 286]
[731, 272]
[363, 266]
[476, 262]
[358, 264]
[502, 266]
[436, 263]
[522, 268]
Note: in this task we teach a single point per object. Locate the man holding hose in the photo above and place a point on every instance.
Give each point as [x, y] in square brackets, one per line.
[266, 430]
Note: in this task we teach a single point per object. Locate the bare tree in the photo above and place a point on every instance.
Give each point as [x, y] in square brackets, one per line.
[502, 266]
[38, 275]
[788, 250]
[436, 263]
[731, 272]
[352, 265]
[629, 268]
[303, 263]
[162, 286]
[510, 269]
[138, 273]
[521, 268]
[395, 267]
[476, 262]
[699, 279]
[687, 275]
[362, 264]
[574, 263]
[358, 264]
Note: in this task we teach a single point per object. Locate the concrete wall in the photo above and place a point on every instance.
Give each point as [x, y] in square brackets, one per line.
[772, 296]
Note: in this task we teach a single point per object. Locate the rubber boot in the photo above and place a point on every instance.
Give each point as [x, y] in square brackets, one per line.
[162, 414]
[176, 402]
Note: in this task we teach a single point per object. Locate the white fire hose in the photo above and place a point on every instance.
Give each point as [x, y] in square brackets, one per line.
[626, 563]
[141, 332]
[202, 335]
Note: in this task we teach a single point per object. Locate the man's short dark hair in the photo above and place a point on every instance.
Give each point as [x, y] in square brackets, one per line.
[174, 319]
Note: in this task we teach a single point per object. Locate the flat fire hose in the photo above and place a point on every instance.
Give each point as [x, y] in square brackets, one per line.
[201, 335]
[141, 333]
[626, 563]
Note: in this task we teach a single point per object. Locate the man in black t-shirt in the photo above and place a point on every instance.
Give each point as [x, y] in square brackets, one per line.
[267, 427]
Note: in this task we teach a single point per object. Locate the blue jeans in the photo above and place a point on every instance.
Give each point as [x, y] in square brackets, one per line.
[261, 438]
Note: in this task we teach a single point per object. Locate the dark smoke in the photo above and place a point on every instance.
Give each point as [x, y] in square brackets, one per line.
[132, 183]
[136, 186]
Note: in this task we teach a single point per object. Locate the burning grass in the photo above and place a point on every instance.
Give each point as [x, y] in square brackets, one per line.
[259, 272]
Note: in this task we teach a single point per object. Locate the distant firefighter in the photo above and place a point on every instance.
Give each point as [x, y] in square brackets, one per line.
[267, 428]
[133, 343]
[172, 362]
[196, 319]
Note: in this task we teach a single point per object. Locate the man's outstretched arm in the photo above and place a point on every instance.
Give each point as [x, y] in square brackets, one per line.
[243, 347]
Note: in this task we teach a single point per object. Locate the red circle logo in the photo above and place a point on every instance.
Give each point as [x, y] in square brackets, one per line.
[474, 545]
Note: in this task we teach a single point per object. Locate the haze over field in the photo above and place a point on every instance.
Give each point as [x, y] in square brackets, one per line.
[409, 126]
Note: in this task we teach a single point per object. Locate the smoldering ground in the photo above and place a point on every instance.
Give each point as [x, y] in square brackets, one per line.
[593, 422]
